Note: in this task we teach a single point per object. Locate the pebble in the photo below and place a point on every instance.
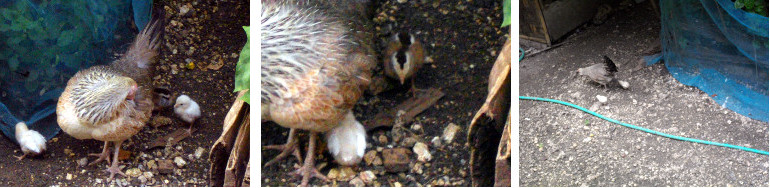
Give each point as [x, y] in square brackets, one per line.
[416, 127]
[134, 172]
[199, 152]
[82, 162]
[396, 159]
[401, 1]
[449, 132]
[142, 179]
[179, 162]
[417, 168]
[69, 176]
[436, 141]
[422, 152]
[184, 9]
[151, 164]
[383, 139]
[165, 166]
[408, 142]
[370, 157]
[367, 176]
[397, 184]
[601, 99]
[357, 182]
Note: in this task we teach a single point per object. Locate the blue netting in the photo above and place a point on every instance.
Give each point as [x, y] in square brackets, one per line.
[721, 50]
[43, 43]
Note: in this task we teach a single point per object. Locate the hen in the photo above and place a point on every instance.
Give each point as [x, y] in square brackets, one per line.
[112, 102]
[317, 59]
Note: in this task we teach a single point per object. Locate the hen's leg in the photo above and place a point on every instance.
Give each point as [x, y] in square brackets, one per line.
[104, 156]
[114, 169]
[308, 169]
[291, 147]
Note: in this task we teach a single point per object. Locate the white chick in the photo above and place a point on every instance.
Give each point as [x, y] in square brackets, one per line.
[32, 142]
[187, 109]
[347, 142]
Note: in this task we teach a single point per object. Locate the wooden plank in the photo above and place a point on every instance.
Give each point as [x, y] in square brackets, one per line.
[239, 156]
[220, 151]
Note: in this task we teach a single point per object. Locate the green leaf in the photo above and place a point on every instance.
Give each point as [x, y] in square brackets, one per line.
[65, 38]
[242, 69]
[738, 4]
[506, 13]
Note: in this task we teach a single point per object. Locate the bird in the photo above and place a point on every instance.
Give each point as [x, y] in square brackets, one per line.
[112, 102]
[404, 56]
[602, 73]
[32, 142]
[317, 60]
[187, 109]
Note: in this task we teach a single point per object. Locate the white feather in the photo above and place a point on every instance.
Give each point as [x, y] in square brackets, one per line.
[31, 141]
[187, 109]
[347, 142]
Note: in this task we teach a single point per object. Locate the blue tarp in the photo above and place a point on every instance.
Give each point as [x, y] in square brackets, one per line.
[719, 49]
[44, 43]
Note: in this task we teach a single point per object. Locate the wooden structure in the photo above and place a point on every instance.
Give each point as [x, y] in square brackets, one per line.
[229, 156]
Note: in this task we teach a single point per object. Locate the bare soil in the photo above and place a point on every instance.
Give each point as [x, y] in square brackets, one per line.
[463, 39]
[562, 146]
[214, 29]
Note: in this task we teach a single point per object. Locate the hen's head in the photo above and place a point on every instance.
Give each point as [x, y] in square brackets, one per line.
[99, 93]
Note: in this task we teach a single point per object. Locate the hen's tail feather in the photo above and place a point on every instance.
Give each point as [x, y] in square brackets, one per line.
[138, 59]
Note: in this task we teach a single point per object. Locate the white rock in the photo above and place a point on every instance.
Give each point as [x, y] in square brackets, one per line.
[436, 141]
[179, 162]
[624, 84]
[367, 176]
[449, 132]
[199, 152]
[422, 152]
[601, 98]
[357, 182]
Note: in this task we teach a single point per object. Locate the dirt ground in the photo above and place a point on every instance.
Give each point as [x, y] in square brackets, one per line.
[463, 39]
[214, 29]
[562, 146]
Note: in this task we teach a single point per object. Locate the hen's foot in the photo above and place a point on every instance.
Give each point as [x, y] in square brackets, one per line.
[291, 147]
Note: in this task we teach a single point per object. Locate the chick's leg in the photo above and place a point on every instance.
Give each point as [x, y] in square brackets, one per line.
[114, 169]
[104, 156]
[21, 157]
[414, 90]
[291, 147]
[308, 169]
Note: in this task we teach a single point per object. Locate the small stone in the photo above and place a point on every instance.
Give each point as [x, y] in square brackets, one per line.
[396, 159]
[148, 175]
[334, 173]
[417, 168]
[357, 182]
[179, 162]
[416, 127]
[383, 139]
[602, 99]
[436, 141]
[184, 9]
[422, 152]
[82, 162]
[346, 173]
[449, 132]
[69, 176]
[624, 84]
[142, 179]
[397, 184]
[369, 157]
[165, 166]
[367, 176]
[134, 172]
[151, 164]
[408, 142]
[401, 1]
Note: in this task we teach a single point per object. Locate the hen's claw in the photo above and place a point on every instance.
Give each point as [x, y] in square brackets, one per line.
[291, 147]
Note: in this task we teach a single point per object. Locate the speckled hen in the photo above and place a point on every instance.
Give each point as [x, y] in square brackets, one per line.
[112, 102]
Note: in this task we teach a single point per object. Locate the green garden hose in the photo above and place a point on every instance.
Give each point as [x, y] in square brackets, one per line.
[637, 127]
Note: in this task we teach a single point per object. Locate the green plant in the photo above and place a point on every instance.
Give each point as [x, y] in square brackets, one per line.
[753, 6]
[242, 69]
[506, 13]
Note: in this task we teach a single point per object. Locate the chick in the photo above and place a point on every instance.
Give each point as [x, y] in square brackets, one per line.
[347, 142]
[188, 110]
[32, 142]
[602, 73]
[317, 60]
[404, 56]
[112, 102]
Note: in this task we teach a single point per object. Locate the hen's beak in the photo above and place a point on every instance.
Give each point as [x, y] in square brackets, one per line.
[132, 93]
